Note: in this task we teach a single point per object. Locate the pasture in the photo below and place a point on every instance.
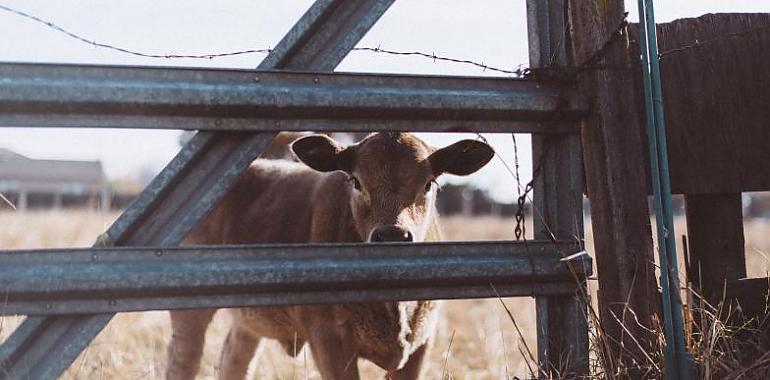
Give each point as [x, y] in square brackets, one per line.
[476, 338]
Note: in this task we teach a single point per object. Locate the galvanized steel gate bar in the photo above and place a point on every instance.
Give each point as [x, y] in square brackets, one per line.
[562, 335]
[41, 95]
[243, 102]
[105, 280]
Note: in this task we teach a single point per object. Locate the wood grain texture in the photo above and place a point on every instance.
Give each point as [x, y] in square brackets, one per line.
[715, 71]
[614, 162]
[716, 242]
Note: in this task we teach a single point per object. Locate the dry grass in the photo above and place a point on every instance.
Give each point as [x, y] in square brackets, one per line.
[475, 339]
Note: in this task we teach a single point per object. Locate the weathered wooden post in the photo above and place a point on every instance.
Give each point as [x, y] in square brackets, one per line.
[616, 184]
[716, 243]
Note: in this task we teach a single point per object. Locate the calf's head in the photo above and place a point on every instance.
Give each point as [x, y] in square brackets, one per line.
[392, 178]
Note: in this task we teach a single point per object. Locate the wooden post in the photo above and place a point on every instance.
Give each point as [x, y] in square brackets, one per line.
[616, 185]
[716, 244]
[562, 335]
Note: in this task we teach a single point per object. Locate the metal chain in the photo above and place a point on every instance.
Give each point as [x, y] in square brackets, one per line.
[522, 191]
[599, 54]
[520, 230]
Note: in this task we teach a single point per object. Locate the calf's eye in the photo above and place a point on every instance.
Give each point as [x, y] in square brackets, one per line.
[429, 185]
[356, 183]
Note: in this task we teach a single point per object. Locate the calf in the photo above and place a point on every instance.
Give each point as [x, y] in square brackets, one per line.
[379, 190]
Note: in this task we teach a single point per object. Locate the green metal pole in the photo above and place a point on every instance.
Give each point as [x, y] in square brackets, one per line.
[678, 362]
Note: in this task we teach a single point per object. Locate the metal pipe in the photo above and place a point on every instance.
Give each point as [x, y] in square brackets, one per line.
[56, 95]
[98, 280]
[678, 362]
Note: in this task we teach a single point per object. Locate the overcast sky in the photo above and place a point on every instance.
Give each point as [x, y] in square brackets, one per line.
[491, 31]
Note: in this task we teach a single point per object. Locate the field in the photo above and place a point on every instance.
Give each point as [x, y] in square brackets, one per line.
[476, 338]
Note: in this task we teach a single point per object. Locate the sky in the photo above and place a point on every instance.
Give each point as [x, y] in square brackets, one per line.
[488, 31]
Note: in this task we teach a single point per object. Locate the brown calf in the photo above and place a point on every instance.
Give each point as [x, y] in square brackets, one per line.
[381, 189]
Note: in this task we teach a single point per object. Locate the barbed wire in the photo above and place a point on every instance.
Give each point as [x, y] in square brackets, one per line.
[520, 71]
[599, 54]
[94, 43]
[524, 191]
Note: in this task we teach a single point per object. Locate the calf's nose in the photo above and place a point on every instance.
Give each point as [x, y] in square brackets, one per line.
[390, 233]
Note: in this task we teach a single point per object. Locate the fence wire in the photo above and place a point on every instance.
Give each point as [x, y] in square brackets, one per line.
[519, 71]
[593, 62]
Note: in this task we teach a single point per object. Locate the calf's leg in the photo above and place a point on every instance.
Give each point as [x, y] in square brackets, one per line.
[334, 353]
[414, 365]
[237, 353]
[187, 340]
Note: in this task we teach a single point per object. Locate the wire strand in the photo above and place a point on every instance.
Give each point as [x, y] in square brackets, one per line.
[519, 71]
[125, 50]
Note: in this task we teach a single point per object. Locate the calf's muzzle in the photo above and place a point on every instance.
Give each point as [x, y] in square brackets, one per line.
[390, 233]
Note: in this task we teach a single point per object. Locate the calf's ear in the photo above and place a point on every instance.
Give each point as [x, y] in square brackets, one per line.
[322, 153]
[461, 158]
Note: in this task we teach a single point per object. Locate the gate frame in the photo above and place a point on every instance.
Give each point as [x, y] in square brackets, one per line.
[187, 188]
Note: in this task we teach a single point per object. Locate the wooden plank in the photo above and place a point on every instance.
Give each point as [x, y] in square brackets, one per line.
[614, 160]
[751, 294]
[716, 91]
[715, 241]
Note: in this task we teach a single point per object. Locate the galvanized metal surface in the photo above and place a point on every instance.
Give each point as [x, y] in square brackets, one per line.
[31, 354]
[562, 334]
[131, 279]
[325, 34]
[42, 347]
[679, 363]
[47, 95]
[212, 157]
[186, 189]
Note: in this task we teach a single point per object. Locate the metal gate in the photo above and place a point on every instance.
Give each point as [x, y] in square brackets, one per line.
[69, 295]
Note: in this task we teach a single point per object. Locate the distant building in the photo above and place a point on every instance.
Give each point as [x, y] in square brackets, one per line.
[30, 183]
